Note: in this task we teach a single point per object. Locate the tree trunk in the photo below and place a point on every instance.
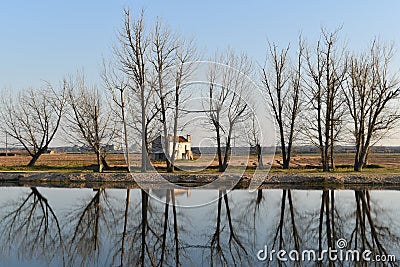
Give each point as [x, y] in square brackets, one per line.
[357, 167]
[325, 160]
[259, 156]
[34, 158]
[168, 154]
[365, 162]
[165, 227]
[99, 163]
[286, 163]
[227, 150]
[144, 135]
[283, 147]
[226, 157]
[286, 160]
[126, 142]
[104, 162]
[172, 167]
[332, 147]
[219, 152]
[359, 162]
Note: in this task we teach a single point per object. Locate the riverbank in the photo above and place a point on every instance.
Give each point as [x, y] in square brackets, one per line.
[150, 180]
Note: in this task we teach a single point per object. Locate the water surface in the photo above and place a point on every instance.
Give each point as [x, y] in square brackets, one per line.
[127, 227]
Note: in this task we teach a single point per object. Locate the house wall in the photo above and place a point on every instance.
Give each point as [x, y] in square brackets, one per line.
[182, 151]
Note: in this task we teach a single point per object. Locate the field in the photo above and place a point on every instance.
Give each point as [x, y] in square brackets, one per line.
[300, 163]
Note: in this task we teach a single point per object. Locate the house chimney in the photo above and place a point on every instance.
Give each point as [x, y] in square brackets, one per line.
[188, 138]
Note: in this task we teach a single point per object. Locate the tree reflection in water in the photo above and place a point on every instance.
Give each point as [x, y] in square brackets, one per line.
[150, 235]
[361, 229]
[226, 249]
[285, 235]
[134, 229]
[370, 231]
[90, 224]
[31, 227]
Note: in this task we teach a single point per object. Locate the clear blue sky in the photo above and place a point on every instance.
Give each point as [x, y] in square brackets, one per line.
[45, 40]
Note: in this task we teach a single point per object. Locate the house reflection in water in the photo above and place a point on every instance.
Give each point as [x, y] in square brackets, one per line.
[177, 192]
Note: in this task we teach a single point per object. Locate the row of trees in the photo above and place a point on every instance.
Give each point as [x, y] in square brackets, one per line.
[320, 96]
[152, 63]
[329, 93]
[145, 79]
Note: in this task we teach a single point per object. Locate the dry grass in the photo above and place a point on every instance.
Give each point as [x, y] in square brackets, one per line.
[300, 163]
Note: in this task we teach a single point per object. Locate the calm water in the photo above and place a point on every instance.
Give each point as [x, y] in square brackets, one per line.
[114, 227]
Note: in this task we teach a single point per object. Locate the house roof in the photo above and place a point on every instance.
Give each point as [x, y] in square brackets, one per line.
[180, 139]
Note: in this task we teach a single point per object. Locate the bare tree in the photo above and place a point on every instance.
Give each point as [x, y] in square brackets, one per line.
[132, 54]
[163, 44]
[165, 65]
[253, 136]
[326, 69]
[371, 90]
[227, 106]
[282, 82]
[117, 85]
[33, 118]
[89, 119]
[185, 56]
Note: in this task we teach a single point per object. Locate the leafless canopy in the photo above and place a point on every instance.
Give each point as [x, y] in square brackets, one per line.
[326, 68]
[282, 83]
[32, 118]
[369, 95]
[131, 51]
[89, 119]
[227, 101]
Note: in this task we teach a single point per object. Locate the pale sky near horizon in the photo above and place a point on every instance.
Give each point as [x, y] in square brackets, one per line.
[46, 40]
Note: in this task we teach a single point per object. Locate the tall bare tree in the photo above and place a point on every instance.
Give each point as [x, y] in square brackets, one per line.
[227, 106]
[371, 90]
[33, 117]
[89, 119]
[117, 85]
[326, 68]
[185, 56]
[282, 82]
[167, 56]
[163, 44]
[134, 42]
[155, 61]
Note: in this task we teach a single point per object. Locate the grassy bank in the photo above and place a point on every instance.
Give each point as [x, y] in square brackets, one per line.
[307, 163]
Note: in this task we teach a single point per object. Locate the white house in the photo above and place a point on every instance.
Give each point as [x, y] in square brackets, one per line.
[182, 151]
